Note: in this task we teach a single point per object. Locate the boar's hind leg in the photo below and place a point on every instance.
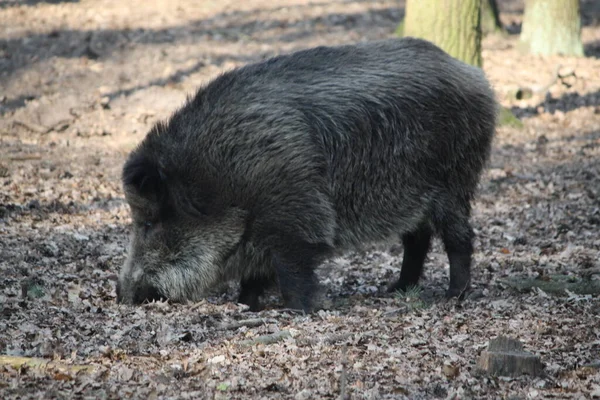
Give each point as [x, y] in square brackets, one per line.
[416, 246]
[252, 289]
[295, 270]
[457, 236]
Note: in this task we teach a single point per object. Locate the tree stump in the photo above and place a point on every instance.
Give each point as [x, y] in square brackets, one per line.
[506, 357]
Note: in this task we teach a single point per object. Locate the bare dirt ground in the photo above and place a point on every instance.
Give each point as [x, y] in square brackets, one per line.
[80, 84]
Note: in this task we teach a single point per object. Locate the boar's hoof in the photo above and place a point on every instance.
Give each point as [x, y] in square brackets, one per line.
[251, 300]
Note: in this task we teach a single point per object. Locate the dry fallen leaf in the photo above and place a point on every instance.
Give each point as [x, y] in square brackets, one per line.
[451, 371]
[59, 376]
[125, 374]
[217, 359]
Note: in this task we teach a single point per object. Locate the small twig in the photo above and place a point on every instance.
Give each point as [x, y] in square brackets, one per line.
[576, 297]
[587, 273]
[32, 126]
[343, 376]
[197, 305]
[400, 310]
[595, 364]
[291, 311]
[26, 157]
[250, 323]
[40, 363]
[524, 177]
[462, 293]
[571, 347]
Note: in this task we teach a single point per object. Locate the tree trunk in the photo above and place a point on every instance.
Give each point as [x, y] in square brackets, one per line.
[453, 25]
[552, 27]
[490, 17]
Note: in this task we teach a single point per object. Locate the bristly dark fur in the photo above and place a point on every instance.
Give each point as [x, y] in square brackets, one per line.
[275, 166]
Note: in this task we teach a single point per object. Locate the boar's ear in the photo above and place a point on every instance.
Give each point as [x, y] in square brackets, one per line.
[144, 176]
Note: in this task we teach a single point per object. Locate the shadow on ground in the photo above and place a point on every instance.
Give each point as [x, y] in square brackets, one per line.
[565, 103]
[15, 3]
[100, 44]
[592, 49]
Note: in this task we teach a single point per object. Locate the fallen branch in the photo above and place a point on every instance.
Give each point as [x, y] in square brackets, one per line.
[329, 339]
[282, 335]
[267, 339]
[250, 323]
[40, 363]
[554, 284]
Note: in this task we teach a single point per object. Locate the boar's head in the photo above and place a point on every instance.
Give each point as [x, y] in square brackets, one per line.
[186, 228]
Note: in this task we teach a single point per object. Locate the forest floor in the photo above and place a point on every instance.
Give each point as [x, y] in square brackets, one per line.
[81, 82]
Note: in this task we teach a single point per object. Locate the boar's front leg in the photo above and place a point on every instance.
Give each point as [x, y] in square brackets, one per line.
[297, 232]
[453, 222]
[295, 266]
[416, 245]
[458, 241]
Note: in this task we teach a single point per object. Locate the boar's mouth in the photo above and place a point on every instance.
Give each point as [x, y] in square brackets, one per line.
[143, 293]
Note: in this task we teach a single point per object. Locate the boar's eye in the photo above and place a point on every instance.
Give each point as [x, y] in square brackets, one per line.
[200, 209]
[192, 207]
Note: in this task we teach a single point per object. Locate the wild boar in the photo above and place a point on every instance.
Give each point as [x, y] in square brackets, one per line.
[273, 167]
